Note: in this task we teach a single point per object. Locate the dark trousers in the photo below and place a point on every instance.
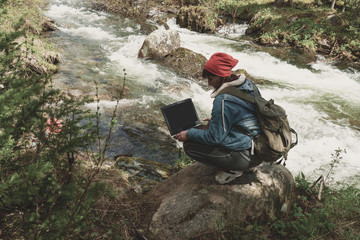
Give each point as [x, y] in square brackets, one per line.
[220, 157]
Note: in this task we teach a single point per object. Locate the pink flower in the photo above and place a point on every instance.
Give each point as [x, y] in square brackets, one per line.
[53, 125]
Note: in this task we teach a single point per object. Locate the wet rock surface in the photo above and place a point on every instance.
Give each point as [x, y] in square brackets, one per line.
[144, 168]
[159, 43]
[186, 62]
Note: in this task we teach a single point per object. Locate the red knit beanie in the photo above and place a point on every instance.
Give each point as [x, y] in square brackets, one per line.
[221, 64]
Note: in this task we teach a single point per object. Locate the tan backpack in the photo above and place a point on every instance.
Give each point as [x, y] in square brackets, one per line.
[276, 140]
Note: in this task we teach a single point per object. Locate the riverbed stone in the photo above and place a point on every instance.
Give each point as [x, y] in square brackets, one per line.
[186, 62]
[159, 43]
[191, 203]
[74, 93]
[138, 167]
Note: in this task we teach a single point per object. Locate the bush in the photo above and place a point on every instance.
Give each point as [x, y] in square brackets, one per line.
[43, 192]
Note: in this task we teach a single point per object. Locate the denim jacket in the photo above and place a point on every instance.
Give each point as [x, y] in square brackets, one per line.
[228, 112]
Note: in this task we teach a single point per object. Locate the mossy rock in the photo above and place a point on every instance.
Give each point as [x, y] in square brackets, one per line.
[197, 18]
[254, 79]
[186, 62]
[138, 167]
[147, 28]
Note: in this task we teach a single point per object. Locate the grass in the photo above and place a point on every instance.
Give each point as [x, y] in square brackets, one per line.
[335, 217]
[305, 26]
[27, 11]
[38, 53]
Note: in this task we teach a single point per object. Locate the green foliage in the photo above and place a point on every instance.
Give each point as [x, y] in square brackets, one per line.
[302, 184]
[344, 207]
[335, 217]
[183, 160]
[231, 7]
[197, 18]
[44, 194]
[303, 26]
[335, 160]
[249, 231]
[306, 219]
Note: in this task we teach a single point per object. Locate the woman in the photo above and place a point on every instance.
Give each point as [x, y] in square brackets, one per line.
[226, 140]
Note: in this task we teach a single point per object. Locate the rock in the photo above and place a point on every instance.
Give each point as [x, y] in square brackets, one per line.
[254, 79]
[143, 168]
[268, 41]
[191, 203]
[75, 93]
[147, 28]
[186, 62]
[48, 25]
[323, 43]
[162, 22]
[159, 43]
[52, 57]
[171, 10]
[335, 20]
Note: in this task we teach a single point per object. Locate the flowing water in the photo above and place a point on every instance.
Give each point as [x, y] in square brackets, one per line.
[322, 101]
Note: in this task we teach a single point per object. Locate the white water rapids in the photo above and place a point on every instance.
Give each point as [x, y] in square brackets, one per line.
[322, 101]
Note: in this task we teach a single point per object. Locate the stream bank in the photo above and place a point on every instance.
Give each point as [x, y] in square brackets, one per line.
[37, 54]
[307, 31]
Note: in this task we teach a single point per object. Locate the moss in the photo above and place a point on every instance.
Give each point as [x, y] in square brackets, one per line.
[138, 167]
[197, 18]
[186, 62]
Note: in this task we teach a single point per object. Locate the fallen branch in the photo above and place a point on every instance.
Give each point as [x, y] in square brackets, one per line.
[333, 47]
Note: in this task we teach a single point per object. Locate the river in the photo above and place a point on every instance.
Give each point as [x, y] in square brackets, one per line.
[322, 101]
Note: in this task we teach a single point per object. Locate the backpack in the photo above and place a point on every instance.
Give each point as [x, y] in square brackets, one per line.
[275, 141]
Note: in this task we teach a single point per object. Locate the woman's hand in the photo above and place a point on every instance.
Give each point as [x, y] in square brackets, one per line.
[181, 136]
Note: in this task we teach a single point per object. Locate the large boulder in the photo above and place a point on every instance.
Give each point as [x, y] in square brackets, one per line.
[191, 203]
[159, 43]
[186, 62]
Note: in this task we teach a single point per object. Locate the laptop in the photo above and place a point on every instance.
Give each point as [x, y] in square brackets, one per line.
[180, 116]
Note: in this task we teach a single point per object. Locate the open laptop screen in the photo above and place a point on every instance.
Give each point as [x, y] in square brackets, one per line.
[180, 116]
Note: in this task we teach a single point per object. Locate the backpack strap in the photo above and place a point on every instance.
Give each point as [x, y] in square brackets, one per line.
[242, 94]
[238, 93]
[256, 91]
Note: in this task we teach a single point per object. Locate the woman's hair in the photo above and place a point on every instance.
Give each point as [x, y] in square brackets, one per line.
[221, 80]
